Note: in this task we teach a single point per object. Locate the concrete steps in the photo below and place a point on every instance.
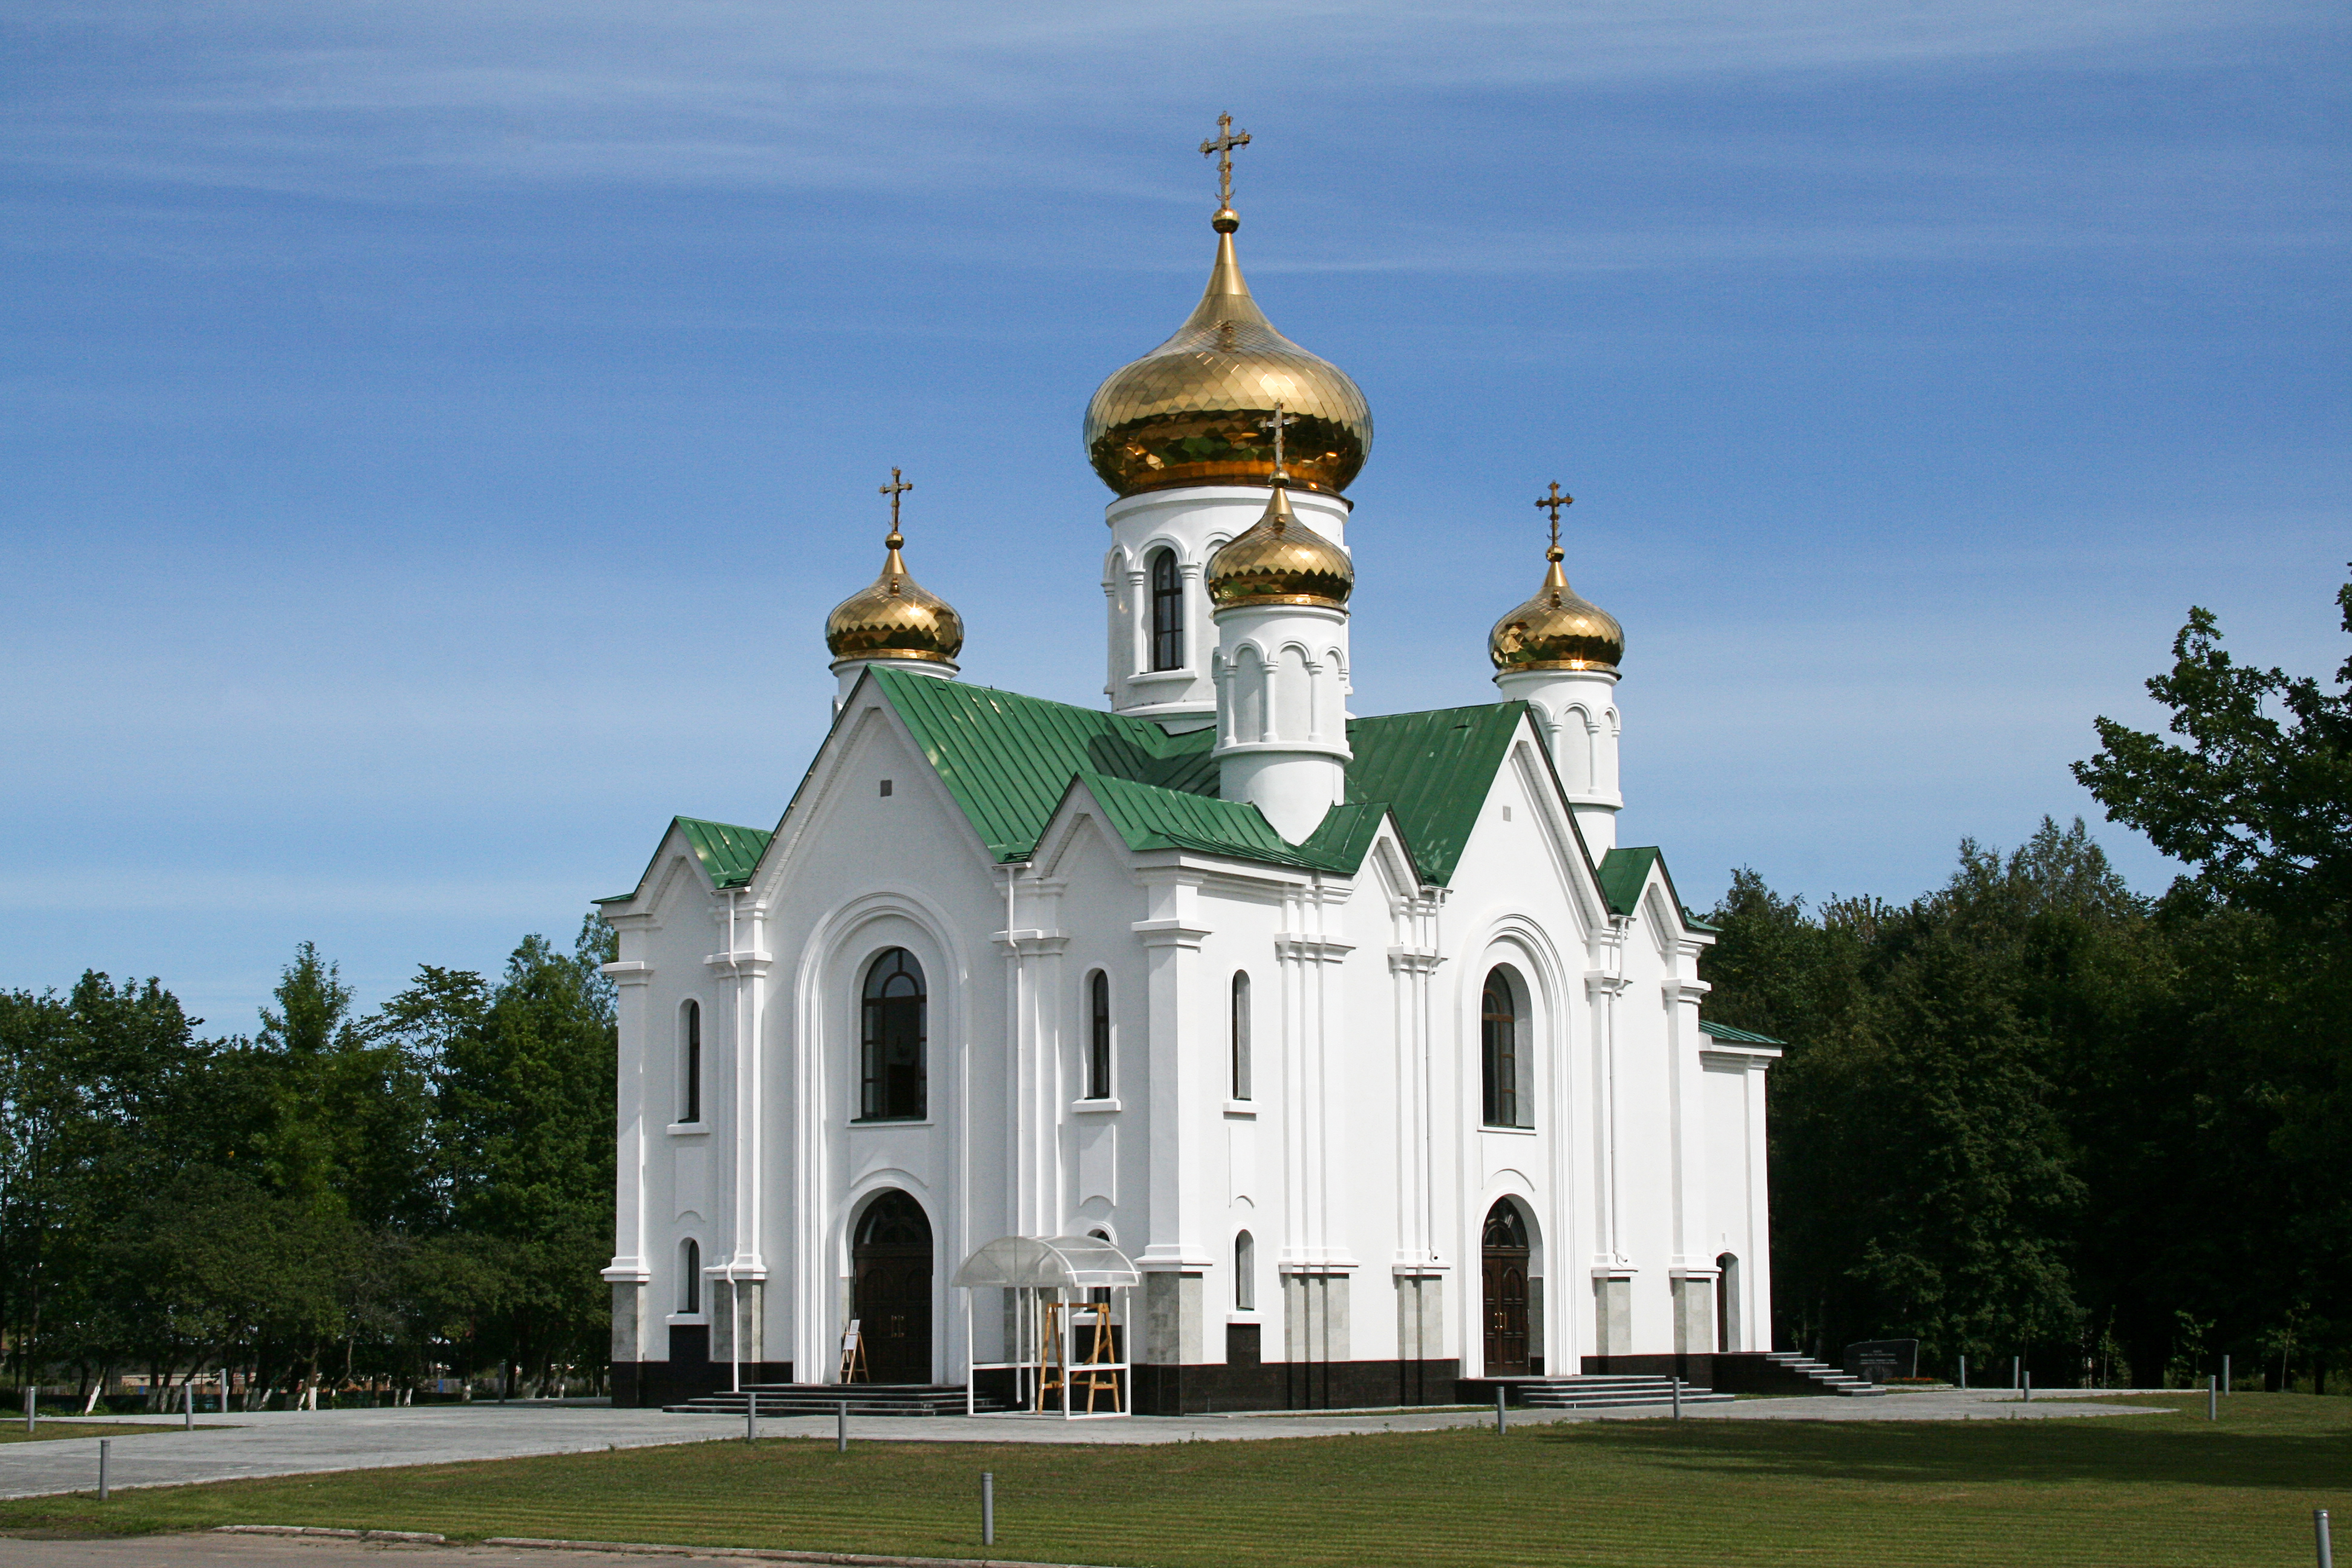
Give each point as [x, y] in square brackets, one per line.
[1829, 1378]
[826, 1399]
[1604, 1392]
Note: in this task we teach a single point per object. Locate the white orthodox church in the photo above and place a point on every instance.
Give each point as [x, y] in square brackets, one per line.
[1361, 1037]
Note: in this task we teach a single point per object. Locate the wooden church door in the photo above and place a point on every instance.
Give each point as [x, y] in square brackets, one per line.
[891, 1288]
[1506, 1291]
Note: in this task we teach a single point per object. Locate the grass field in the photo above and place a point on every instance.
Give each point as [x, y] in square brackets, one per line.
[2147, 1490]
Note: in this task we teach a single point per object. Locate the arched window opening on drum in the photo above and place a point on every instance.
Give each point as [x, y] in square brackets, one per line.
[1099, 1035]
[1241, 1035]
[892, 1086]
[1244, 1273]
[1167, 612]
[1503, 1067]
[689, 1277]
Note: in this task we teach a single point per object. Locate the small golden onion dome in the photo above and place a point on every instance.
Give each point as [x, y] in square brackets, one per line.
[1188, 412]
[1278, 560]
[896, 617]
[1558, 631]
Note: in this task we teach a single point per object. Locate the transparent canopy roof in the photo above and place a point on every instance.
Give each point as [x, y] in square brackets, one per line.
[1043, 1262]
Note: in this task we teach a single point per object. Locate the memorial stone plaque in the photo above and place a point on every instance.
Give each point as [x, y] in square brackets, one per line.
[1881, 1360]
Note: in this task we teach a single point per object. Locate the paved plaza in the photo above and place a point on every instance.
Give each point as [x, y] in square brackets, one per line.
[285, 1443]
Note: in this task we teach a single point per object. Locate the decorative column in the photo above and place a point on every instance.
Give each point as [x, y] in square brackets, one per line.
[629, 1273]
[1692, 1275]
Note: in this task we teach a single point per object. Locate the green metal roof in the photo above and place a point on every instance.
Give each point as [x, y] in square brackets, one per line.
[1622, 872]
[1433, 770]
[726, 852]
[1008, 760]
[1741, 1036]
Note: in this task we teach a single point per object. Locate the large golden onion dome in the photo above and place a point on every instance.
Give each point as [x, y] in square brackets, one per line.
[1278, 560]
[1558, 631]
[1189, 412]
[895, 616]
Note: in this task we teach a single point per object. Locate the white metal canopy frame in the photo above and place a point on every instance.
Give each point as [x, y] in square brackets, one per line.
[1044, 1332]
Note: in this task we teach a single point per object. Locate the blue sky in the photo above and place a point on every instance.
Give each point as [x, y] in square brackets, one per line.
[434, 432]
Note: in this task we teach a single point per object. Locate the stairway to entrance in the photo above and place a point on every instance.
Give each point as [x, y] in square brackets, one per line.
[826, 1399]
[1823, 1375]
[1590, 1391]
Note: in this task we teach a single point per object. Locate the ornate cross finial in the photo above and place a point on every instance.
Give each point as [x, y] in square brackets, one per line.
[896, 488]
[1221, 146]
[1554, 501]
[1275, 424]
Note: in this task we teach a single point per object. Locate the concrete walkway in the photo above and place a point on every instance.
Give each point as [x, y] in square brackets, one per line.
[286, 1443]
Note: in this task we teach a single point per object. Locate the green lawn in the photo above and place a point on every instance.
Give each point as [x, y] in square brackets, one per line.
[2144, 1490]
[11, 1428]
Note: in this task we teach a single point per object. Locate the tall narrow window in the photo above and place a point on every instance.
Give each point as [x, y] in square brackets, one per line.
[1241, 1030]
[1244, 1273]
[689, 1276]
[1500, 1067]
[1099, 1035]
[690, 1064]
[892, 1055]
[1167, 612]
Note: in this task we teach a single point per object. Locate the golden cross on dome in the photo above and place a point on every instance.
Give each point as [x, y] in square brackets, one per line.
[1221, 146]
[1277, 423]
[896, 488]
[1555, 501]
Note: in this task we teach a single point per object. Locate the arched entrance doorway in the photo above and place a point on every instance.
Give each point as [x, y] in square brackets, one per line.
[1726, 1303]
[890, 1288]
[1506, 1257]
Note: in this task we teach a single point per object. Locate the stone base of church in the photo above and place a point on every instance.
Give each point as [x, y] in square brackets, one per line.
[653, 1384]
[1292, 1385]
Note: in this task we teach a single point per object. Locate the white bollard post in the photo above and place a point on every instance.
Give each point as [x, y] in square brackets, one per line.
[751, 1418]
[188, 1405]
[2319, 1530]
[1501, 1425]
[987, 1507]
[2212, 1398]
[2029, 1388]
[105, 1449]
[1964, 1375]
[2225, 1374]
[32, 1408]
[841, 1428]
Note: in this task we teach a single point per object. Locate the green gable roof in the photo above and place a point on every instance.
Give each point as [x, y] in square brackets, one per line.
[1009, 760]
[1622, 872]
[1708, 1027]
[1432, 771]
[726, 852]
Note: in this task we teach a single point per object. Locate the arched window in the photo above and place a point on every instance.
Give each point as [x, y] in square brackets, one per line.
[1244, 1273]
[1501, 1040]
[689, 1276]
[1099, 1035]
[690, 1064]
[893, 1087]
[1241, 1032]
[1167, 612]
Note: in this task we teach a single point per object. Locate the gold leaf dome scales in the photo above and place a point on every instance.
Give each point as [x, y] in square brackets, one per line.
[1190, 412]
[1558, 629]
[895, 617]
[1279, 559]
